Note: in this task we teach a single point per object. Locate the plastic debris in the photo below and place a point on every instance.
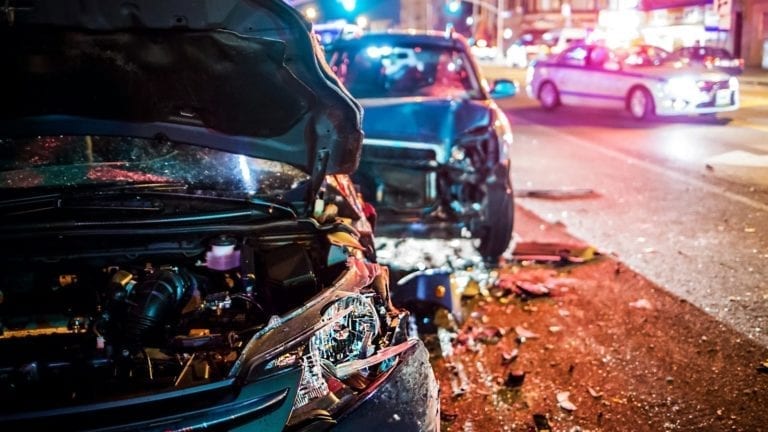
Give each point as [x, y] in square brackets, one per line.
[490, 335]
[459, 380]
[641, 304]
[523, 333]
[445, 339]
[564, 403]
[508, 357]
[448, 417]
[594, 393]
[541, 423]
[532, 289]
[515, 378]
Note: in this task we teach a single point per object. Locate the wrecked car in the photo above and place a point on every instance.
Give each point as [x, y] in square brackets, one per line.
[182, 247]
[437, 147]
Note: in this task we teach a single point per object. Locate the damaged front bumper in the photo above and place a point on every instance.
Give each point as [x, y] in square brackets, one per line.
[405, 400]
[424, 188]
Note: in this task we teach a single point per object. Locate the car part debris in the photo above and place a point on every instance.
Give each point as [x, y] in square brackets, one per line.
[594, 393]
[541, 423]
[641, 304]
[559, 253]
[558, 194]
[515, 378]
[564, 403]
[532, 289]
[459, 380]
[523, 334]
[508, 357]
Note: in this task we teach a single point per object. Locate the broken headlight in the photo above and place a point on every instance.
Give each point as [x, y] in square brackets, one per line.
[352, 347]
[353, 326]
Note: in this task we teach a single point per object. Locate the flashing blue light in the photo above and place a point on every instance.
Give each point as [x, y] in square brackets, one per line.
[454, 6]
[349, 5]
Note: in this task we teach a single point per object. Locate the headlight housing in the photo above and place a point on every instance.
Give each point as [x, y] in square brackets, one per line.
[355, 343]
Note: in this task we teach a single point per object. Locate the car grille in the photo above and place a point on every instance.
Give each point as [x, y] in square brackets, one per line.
[397, 153]
[710, 86]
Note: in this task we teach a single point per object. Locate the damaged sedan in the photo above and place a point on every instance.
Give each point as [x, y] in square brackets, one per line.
[437, 147]
[182, 246]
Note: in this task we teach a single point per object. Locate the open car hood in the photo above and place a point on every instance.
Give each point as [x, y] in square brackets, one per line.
[243, 76]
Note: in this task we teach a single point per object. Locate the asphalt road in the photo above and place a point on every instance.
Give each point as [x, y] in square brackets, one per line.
[682, 201]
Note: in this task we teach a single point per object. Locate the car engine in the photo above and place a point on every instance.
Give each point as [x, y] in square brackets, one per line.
[98, 326]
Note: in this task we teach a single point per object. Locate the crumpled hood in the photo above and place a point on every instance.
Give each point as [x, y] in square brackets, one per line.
[421, 119]
[236, 75]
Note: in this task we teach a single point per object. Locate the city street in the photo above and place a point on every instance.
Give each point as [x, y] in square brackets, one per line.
[683, 201]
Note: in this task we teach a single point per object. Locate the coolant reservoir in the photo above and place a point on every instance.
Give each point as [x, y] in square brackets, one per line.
[222, 255]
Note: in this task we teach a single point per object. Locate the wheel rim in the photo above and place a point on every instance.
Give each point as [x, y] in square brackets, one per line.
[638, 104]
[548, 95]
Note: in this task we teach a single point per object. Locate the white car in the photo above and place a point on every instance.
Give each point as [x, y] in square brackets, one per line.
[592, 75]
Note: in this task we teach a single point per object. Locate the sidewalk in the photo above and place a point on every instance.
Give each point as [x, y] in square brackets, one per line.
[754, 76]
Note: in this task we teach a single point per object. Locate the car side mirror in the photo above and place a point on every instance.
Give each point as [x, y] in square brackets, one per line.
[503, 88]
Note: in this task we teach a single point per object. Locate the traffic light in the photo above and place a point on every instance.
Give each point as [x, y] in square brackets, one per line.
[348, 5]
[453, 6]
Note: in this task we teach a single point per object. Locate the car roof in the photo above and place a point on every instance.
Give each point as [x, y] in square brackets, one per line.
[396, 37]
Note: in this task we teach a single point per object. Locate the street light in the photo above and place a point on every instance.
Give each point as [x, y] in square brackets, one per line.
[310, 13]
[362, 22]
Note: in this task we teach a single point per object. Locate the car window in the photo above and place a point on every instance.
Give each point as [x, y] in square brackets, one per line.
[644, 56]
[380, 71]
[574, 56]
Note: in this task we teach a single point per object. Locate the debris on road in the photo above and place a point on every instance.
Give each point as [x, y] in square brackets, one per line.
[515, 378]
[564, 403]
[459, 380]
[641, 304]
[523, 334]
[541, 423]
[763, 367]
[556, 194]
[554, 253]
[594, 393]
[508, 357]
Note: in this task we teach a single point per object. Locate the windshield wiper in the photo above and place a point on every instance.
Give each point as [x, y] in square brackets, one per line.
[90, 197]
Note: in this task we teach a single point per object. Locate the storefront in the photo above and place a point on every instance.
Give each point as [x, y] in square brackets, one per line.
[668, 23]
[755, 40]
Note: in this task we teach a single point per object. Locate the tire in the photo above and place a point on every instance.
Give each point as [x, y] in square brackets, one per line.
[549, 96]
[640, 104]
[494, 231]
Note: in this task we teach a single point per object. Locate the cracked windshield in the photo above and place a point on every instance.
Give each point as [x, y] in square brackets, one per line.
[384, 215]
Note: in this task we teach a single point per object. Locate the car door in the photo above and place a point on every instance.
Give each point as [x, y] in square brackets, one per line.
[571, 77]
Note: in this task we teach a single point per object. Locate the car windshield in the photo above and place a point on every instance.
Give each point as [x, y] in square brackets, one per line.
[643, 56]
[379, 71]
[71, 161]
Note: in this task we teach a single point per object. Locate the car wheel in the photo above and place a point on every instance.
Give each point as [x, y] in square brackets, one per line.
[640, 104]
[549, 96]
[495, 230]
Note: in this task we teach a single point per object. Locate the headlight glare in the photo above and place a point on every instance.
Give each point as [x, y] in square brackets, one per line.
[683, 88]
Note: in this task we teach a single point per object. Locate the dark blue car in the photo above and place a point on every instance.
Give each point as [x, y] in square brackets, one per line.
[437, 147]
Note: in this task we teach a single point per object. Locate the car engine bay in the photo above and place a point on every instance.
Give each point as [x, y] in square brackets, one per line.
[96, 325]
